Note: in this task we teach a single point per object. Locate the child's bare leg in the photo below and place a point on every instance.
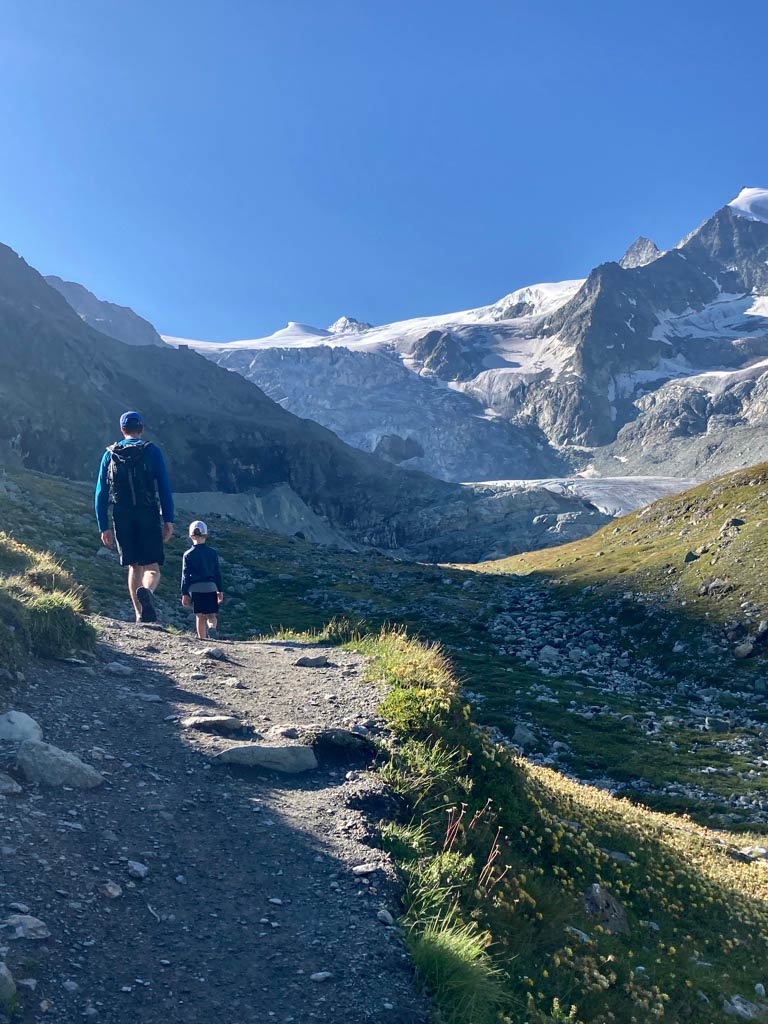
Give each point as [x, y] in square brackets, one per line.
[202, 628]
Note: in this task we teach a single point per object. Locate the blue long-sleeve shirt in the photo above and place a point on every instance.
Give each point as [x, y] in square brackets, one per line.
[157, 462]
[200, 565]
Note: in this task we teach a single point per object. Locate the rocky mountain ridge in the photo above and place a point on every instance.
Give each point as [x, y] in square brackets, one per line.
[119, 322]
[573, 365]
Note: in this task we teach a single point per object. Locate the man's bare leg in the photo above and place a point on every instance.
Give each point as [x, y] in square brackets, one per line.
[202, 626]
[150, 576]
[135, 575]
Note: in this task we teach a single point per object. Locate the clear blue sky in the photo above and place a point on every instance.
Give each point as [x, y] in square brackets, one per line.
[226, 166]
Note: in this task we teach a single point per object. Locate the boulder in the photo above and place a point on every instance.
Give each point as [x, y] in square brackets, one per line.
[289, 759]
[50, 766]
[337, 738]
[524, 737]
[599, 903]
[549, 655]
[744, 650]
[16, 726]
[320, 661]
[24, 926]
[743, 1009]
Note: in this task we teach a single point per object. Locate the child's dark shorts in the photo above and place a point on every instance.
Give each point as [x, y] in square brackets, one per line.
[206, 603]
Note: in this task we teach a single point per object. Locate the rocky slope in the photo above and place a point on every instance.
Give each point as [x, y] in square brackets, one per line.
[119, 322]
[607, 368]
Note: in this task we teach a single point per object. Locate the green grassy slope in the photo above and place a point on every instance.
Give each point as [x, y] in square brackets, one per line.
[497, 855]
[702, 553]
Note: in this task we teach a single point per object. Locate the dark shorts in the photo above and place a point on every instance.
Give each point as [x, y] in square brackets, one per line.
[138, 535]
[205, 603]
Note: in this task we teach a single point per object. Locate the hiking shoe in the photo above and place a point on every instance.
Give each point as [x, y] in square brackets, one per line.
[148, 610]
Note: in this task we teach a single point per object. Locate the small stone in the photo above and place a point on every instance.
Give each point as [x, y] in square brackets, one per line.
[24, 926]
[70, 986]
[320, 661]
[16, 727]
[741, 651]
[212, 723]
[275, 901]
[385, 917]
[117, 668]
[137, 870]
[319, 976]
[7, 985]
[20, 908]
[361, 870]
[216, 653]
[112, 890]
[8, 786]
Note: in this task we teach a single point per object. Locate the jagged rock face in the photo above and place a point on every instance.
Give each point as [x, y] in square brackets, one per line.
[116, 321]
[442, 354]
[398, 449]
[642, 252]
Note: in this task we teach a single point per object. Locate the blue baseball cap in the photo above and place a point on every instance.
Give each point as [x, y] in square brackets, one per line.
[131, 417]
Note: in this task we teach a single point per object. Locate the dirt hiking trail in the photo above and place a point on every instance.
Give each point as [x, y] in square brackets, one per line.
[183, 889]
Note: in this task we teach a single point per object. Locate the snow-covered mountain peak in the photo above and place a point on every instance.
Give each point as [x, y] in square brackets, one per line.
[348, 325]
[642, 252]
[751, 203]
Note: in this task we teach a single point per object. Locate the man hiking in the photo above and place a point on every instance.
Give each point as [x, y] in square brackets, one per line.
[131, 477]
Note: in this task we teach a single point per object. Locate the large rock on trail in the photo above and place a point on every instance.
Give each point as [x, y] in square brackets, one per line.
[50, 766]
[288, 759]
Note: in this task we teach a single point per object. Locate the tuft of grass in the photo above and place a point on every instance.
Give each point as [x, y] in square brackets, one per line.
[41, 607]
[453, 961]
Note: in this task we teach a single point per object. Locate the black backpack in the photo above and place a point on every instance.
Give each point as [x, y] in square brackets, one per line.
[131, 477]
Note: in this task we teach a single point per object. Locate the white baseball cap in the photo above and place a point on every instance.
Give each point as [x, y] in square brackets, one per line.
[198, 529]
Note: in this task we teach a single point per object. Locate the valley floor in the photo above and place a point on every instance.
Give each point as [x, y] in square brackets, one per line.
[250, 910]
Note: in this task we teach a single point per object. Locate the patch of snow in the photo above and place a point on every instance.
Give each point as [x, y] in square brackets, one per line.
[714, 382]
[751, 203]
[614, 496]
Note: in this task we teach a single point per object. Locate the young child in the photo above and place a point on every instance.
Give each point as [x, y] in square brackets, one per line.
[201, 585]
